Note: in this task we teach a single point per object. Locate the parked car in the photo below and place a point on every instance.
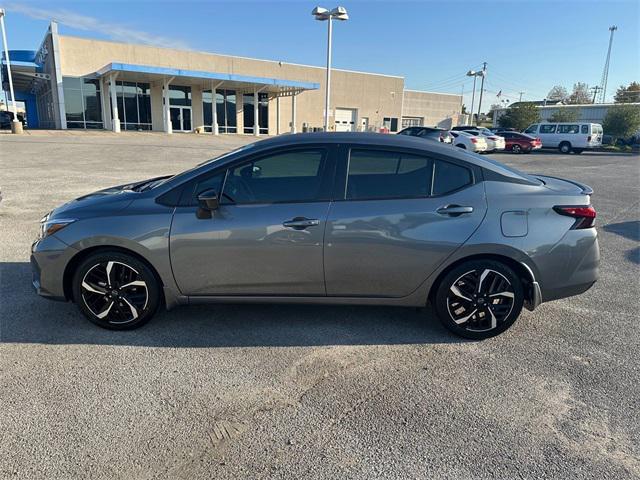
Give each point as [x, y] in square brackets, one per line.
[6, 118]
[520, 143]
[325, 218]
[460, 128]
[468, 141]
[567, 136]
[499, 130]
[494, 142]
[429, 133]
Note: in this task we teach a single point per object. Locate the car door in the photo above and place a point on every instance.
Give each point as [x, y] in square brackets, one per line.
[266, 236]
[399, 216]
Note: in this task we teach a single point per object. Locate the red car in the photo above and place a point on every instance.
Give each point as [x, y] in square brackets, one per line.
[520, 143]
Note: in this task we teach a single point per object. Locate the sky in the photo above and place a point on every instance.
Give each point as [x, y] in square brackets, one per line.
[529, 46]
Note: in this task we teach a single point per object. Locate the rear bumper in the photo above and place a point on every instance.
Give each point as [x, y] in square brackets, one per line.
[571, 267]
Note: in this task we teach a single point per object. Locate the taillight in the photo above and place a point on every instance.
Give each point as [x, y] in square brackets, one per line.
[585, 215]
[441, 138]
[474, 140]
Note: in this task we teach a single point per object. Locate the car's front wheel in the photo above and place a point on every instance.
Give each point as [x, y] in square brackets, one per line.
[115, 290]
[479, 299]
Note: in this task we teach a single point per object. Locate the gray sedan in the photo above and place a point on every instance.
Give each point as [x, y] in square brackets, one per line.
[335, 218]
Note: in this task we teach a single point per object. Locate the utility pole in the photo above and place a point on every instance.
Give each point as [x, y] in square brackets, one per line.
[483, 74]
[595, 92]
[605, 72]
[521, 93]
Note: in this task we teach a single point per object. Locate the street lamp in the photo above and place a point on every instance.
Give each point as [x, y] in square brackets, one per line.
[474, 74]
[338, 13]
[16, 126]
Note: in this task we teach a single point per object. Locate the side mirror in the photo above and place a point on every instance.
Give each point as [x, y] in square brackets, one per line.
[208, 200]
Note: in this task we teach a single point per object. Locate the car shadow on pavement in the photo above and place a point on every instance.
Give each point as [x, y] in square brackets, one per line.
[27, 318]
[630, 229]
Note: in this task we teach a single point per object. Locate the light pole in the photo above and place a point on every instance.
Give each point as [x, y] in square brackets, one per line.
[339, 13]
[474, 74]
[16, 126]
[482, 73]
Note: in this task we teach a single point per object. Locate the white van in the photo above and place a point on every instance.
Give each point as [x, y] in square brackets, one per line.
[567, 136]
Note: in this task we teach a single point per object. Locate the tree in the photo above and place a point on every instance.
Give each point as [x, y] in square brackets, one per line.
[621, 121]
[580, 94]
[564, 114]
[493, 108]
[520, 116]
[628, 94]
[558, 94]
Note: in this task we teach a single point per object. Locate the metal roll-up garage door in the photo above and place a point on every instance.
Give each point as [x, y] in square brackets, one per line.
[345, 119]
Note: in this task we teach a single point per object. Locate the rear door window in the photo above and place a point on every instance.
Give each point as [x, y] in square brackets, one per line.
[584, 129]
[448, 177]
[568, 128]
[380, 174]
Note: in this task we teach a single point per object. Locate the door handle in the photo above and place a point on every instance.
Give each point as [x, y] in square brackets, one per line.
[300, 223]
[454, 210]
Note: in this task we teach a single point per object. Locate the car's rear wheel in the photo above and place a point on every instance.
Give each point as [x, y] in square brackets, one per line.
[115, 290]
[564, 147]
[479, 299]
[516, 148]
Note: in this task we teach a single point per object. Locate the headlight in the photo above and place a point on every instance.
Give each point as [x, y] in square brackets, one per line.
[51, 226]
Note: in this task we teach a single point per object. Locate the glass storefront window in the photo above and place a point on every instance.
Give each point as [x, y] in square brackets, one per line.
[134, 105]
[225, 110]
[263, 112]
[179, 95]
[82, 102]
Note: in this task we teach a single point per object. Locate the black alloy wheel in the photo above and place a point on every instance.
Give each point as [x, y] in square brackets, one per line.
[479, 299]
[116, 291]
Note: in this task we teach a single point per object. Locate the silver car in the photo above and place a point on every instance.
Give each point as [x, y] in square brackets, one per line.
[336, 218]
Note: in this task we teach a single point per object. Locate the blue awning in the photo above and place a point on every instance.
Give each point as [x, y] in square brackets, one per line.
[147, 71]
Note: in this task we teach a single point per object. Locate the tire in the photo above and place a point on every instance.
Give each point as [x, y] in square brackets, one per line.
[460, 145]
[131, 301]
[516, 148]
[564, 147]
[578, 151]
[467, 311]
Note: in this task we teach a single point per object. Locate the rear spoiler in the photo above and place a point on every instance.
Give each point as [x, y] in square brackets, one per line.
[586, 189]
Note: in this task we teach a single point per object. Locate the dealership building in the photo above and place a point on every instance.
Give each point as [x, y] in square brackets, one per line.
[83, 83]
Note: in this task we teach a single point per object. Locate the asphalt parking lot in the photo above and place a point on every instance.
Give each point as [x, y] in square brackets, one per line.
[250, 391]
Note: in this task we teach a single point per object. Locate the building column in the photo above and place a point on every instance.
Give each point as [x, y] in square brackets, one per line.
[278, 114]
[197, 112]
[214, 109]
[166, 113]
[293, 114]
[115, 120]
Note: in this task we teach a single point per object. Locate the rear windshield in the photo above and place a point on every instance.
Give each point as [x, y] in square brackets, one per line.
[512, 171]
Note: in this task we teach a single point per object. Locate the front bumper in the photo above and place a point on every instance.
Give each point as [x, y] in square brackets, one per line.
[49, 258]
